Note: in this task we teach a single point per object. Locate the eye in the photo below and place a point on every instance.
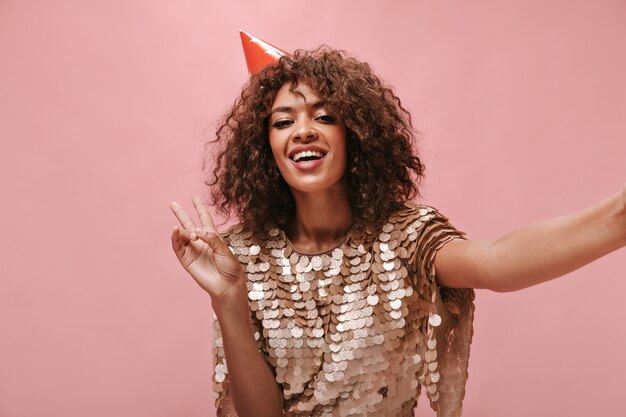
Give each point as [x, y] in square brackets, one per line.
[282, 123]
[325, 118]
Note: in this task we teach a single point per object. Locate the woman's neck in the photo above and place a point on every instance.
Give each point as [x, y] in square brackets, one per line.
[321, 220]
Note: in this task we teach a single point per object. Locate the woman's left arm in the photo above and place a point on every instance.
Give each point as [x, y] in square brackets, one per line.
[535, 253]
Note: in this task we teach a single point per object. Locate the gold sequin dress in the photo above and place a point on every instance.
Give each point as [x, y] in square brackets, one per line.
[359, 330]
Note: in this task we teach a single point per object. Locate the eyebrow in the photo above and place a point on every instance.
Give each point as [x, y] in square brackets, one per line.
[289, 109]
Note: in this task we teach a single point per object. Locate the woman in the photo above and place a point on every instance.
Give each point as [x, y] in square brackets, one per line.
[328, 296]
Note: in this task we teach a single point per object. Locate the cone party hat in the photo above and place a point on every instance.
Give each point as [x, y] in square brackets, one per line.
[259, 54]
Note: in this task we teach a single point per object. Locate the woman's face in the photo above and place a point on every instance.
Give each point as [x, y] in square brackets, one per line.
[307, 141]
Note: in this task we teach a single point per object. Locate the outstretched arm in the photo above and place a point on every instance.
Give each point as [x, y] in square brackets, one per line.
[535, 253]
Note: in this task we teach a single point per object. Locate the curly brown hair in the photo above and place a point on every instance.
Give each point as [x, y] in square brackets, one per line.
[382, 170]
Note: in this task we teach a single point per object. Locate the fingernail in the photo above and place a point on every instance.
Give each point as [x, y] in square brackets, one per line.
[193, 236]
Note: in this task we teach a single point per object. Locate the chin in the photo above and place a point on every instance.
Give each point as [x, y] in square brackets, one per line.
[317, 187]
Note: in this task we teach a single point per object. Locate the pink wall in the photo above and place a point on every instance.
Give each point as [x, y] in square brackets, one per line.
[104, 109]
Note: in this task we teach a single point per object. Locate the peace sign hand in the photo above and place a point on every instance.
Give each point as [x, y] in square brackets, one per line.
[203, 253]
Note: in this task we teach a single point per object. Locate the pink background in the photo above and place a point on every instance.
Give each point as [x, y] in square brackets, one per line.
[104, 110]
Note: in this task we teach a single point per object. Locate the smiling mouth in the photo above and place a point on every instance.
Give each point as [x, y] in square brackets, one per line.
[307, 156]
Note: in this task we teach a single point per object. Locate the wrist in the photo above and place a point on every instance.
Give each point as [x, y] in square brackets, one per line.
[614, 219]
[232, 305]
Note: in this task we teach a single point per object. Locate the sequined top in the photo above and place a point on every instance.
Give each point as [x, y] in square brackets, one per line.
[361, 329]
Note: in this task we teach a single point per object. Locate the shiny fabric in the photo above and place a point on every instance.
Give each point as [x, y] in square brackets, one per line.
[359, 330]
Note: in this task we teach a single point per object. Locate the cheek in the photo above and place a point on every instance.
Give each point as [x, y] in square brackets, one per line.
[277, 154]
[342, 145]
[343, 167]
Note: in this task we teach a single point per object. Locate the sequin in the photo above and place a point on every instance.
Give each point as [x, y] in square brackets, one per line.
[430, 355]
[388, 266]
[354, 331]
[317, 263]
[219, 377]
[372, 300]
[434, 320]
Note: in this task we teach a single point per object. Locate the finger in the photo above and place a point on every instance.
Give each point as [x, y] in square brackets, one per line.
[187, 235]
[215, 242]
[182, 216]
[203, 213]
[176, 243]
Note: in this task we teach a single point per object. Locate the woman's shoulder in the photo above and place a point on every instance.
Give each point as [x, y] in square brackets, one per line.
[241, 236]
[234, 231]
[415, 216]
[420, 209]
[417, 227]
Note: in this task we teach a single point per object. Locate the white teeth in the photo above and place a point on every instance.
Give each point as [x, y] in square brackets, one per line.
[304, 154]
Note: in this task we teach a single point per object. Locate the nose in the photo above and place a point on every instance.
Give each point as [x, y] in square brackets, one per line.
[305, 131]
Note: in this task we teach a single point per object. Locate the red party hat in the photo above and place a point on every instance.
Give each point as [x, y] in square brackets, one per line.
[259, 54]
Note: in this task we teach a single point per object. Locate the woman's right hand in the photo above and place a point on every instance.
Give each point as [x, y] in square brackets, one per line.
[203, 253]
